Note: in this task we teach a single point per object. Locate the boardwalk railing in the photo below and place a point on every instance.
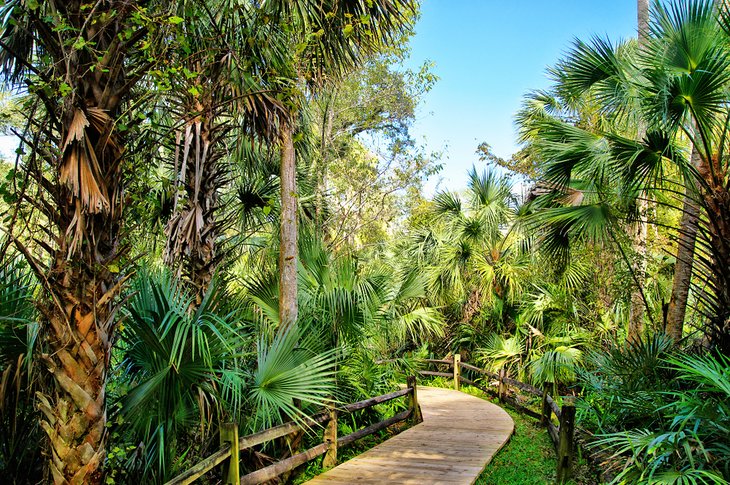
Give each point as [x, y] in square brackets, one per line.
[231, 444]
[562, 435]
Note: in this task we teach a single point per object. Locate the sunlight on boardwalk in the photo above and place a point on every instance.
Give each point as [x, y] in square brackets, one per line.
[458, 437]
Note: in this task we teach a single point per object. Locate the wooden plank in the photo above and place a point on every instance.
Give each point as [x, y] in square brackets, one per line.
[553, 405]
[438, 361]
[457, 371]
[553, 432]
[346, 440]
[521, 385]
[197, 471]
[478, 370]
[565, 442]
[459, 435]
[280, 431]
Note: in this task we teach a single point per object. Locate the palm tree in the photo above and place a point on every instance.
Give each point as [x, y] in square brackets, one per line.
[480, 258]
[219, 99]
[636, 315]
[679, 82]
[686, 55]
[182, 368]
[78, 66]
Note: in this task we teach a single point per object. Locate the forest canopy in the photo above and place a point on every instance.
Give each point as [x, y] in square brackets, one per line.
[217, 212]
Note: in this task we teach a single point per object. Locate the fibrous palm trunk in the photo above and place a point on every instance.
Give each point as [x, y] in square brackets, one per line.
[718, 208]
[193, 229]
[81, 66]
[81, 282]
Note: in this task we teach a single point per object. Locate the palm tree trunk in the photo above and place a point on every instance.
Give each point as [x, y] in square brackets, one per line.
[288, 234]
[81, 283]
[717, 205]
[76, 162]
[192, 230]
[638, 306]
[80, 330]
[688, 226]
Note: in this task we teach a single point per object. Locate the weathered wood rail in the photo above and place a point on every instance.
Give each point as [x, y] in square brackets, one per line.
[232, 445]
[562, 434]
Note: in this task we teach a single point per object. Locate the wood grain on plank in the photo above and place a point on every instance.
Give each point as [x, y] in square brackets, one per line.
[458, 437]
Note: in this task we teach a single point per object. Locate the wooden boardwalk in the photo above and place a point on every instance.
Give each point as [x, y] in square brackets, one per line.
[458, 437]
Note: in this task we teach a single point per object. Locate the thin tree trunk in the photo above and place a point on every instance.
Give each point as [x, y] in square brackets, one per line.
[638, 305]
[322, 168]
[685, 257]
[642, 16]
[288, 234]
[717, 205]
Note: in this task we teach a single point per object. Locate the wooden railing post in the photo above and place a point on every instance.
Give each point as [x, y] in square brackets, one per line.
[502, 387]
[566, 440]
[330, 437]
[546, 412]
[416, 416]
[229, 434]
[457, 371]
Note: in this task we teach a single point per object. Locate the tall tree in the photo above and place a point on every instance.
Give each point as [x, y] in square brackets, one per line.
[219, 98]
[681, 80]
[78, 63]
[328, 39]
[636, 313]
[366, 159]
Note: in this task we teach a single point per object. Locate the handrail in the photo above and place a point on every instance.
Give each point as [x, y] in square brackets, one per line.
[328, 447]
[203, 467]
[563, 435]
[375, 400]
[437, 361]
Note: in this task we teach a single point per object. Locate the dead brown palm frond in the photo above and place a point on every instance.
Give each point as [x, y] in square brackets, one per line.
[80, 169]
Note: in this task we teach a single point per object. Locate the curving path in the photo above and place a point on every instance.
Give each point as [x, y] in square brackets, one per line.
[458, 437]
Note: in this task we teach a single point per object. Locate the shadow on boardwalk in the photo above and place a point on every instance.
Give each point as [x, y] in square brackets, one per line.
[458, 437]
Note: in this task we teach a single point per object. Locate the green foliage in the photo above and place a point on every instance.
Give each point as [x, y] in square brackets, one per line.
[684, 439]
[180, 367]
[21, 439]
[619, 383]
[290, 375]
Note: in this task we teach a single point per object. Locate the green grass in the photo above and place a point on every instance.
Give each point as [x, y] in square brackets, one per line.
[528, 458]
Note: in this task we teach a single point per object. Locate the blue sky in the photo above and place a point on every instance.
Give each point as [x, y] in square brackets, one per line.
[488, 54]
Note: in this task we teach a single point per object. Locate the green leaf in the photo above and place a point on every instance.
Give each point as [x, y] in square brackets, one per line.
[65, 89]
[174, 20]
